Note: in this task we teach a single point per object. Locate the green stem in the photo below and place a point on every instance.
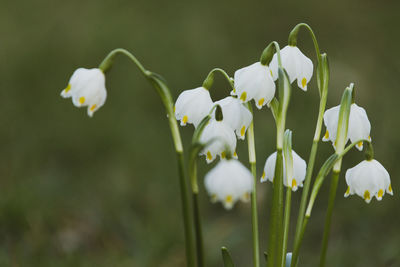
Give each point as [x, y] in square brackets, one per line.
[341, 139]
[325, 169]
[254, 215]
[276, 227]
[284, 94]
[185, 212]
[331, 204]
[303, 201]
[307, 181]
[288, 202]
[165, 95]
[195, 194]
[278, 53]
[301, 234]
[198, 230]
[323, 74]
[274, 240]
[195, 148]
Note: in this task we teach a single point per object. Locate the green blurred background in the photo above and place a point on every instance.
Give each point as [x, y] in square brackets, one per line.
[76, 191]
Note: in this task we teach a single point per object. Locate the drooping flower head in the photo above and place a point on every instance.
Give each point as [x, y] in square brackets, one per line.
[299, 171]
[221, 135]
[236, 115]
[228, 182]
[297, 65]
[368, 179]
[254, 82]
[193, 105]
[87, 88]
[359, 125]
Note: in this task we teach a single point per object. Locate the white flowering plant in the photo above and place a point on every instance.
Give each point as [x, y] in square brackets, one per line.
[218, 125]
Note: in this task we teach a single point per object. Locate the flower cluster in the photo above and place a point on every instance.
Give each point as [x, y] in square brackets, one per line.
[219, 124]
[254, 82]
[194, 105]
[369, 178]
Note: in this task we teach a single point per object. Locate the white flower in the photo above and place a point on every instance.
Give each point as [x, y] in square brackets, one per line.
[87, 88]
[228, 182]
[367, 179]
[359, 125]
[222, 136]
[296, 64]
[236, 115]
[299, 171]
[254, 82]
[193, 105]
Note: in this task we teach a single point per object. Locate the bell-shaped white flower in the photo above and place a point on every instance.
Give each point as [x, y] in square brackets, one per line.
[228, 182]
[296, 64]
[87, 87]
[299, 171]
[221, 135]
[368, 179]
[236, 115]
[254, 82]
[193, 105]
[359, 125]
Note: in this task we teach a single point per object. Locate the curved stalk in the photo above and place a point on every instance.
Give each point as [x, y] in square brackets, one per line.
[254, 215]
[210, 78]
[108, 61]
[293, 37]
[165, 95]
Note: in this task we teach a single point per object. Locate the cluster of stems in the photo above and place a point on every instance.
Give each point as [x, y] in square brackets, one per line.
[278, 238]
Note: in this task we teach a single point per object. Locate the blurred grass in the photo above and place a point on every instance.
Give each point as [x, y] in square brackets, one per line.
[103, 191]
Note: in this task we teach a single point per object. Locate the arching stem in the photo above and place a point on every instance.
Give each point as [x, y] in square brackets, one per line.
[165, 95]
